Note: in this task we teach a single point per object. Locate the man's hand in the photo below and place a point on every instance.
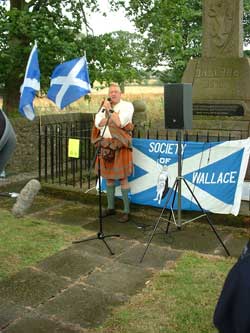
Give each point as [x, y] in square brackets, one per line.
[107, 105]
[103, 122]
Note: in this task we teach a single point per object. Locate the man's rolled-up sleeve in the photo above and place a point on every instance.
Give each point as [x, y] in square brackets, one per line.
[126, 114]
[99, 116]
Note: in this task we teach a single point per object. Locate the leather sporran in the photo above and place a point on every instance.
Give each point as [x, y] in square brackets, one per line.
[108, 154]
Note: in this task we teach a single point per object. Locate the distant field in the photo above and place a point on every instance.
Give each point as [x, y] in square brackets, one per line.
[151, 95]
[135, 90]
[130, 92]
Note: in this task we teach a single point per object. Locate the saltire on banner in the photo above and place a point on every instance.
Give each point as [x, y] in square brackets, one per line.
[69, 82]
[215, 172]
[30, 86]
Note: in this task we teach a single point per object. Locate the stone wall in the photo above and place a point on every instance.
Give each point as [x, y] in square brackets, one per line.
[25, 157]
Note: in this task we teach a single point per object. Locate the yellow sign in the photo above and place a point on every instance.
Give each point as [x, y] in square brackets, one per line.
[73, 148]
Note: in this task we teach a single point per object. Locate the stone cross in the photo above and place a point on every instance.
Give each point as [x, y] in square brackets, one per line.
[222, 28]
[221, 76]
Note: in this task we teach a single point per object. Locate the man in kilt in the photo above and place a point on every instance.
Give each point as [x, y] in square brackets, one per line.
[113, 132]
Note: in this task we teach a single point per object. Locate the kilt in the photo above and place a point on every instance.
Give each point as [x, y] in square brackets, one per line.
[121, 167]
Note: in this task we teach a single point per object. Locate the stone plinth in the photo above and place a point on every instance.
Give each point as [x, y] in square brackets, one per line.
[221, 77]
[220, 80]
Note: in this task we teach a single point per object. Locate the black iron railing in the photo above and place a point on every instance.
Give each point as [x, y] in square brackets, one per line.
[55, 166]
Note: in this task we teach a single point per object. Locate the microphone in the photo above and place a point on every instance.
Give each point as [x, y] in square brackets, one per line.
[26, 197]
[109, 99]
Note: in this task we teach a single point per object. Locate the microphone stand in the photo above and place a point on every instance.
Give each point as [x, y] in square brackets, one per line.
[100, 235]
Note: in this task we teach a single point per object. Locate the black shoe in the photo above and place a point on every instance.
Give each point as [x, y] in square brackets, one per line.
[108, 212]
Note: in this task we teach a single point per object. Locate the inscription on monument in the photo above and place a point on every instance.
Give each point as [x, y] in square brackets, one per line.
[218, 109]
[218, 72]
[218, 79]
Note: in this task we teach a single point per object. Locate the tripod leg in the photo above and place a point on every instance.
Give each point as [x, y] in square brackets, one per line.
[173, 201]
[100, 234]
[150, 239]
[208, 219]
[83, 240]
[171, 214]
[158, 221]
[167, 227]
[217, 235]
[110, 251]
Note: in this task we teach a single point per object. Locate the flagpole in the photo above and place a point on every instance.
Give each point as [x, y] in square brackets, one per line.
[30, 85]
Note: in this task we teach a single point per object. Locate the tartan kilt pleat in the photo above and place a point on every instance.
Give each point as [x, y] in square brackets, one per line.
[121, 167]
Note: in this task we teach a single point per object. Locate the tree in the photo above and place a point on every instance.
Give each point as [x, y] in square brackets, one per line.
[169, 34]
[21, 25]
[246, 21]
[174, 30]
[116, 57]
[57, 26]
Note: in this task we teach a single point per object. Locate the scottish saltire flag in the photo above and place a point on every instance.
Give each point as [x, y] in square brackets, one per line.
[214, 171]
[69, 82]
[30, 86]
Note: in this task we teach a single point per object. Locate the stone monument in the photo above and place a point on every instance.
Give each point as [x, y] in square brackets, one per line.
[221, 77]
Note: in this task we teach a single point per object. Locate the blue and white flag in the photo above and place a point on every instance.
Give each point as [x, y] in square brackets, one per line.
[214, 171]
[30, 86]
[69, 82]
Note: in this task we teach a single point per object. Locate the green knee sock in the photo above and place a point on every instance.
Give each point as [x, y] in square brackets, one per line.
[125, 199]
[111, 196]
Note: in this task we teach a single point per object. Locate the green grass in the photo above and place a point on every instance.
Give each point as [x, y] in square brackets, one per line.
[181, 299]
[26, 241]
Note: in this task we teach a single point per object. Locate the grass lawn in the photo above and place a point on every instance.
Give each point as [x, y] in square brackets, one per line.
[26, 241]
[179, 299]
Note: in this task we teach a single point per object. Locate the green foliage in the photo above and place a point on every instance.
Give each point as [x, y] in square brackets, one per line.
[116, 57]
[169, 34]
[58, 27]
[174, 31]
[246, 20]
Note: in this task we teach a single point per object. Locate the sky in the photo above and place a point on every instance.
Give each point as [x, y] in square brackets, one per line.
[112, 22]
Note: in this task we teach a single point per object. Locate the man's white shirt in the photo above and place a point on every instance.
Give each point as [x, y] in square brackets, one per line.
[124, 109]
